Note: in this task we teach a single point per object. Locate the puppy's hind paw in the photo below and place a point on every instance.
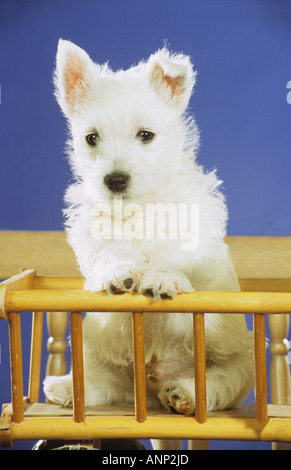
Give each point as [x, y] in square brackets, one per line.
[58, 389]
[176, 398]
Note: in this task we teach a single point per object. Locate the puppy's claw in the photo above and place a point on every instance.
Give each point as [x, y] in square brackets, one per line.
[149, 292]
[165, 296]
[115, 290]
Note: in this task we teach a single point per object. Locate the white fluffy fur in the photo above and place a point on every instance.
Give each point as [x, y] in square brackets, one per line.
[152, 95]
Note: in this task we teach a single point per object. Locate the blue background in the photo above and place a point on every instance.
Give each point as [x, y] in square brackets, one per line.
[241, 49]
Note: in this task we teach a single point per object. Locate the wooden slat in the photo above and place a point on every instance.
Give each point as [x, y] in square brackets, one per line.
[200, 367]
[139, 367]
[245, 410]
[160, 424]
[35, 357]
[16, 366]
[261, 368]
[77, 367]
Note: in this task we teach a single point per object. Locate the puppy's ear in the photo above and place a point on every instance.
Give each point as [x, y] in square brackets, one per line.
[172, 77]
[73, 76]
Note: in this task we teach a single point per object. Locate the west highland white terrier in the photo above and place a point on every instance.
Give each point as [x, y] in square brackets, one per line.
[132, 152]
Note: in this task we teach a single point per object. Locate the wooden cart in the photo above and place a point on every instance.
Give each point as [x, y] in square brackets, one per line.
[53, 285]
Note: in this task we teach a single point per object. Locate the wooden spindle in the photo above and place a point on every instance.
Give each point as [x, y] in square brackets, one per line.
[35, 357]
[77, 367]
[200, 367]
[139, 367]
[57, 326]
[279, 369]
[16, 366]
[261, 368]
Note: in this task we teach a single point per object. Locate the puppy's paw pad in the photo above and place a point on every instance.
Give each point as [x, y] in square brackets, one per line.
[128, 283]
[58, 390]
[176, 398]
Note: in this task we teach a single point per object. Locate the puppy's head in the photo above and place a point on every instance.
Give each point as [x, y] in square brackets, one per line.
[128, 131]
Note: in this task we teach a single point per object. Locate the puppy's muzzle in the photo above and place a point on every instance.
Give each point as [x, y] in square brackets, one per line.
[117, 182]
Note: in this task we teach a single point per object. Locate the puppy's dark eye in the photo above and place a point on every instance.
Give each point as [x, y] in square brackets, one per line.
[145, 136]
[92, 139]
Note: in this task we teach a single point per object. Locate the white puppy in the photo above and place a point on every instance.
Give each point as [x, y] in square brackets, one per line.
[132, 147]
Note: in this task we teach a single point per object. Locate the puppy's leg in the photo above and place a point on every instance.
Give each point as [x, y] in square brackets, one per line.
[115, 268]
[227, 384]
[103, 385]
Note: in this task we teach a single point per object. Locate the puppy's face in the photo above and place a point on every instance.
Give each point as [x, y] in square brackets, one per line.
[126, 127]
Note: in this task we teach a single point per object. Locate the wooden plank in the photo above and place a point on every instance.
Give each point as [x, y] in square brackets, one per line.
[246, 410]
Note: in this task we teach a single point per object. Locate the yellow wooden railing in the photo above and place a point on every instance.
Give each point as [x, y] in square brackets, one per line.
[263, 265]
[27, 292]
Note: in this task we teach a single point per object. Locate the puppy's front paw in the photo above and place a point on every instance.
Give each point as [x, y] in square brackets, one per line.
[175, 397]
[123, 280]
[164, 284]
[58, 389]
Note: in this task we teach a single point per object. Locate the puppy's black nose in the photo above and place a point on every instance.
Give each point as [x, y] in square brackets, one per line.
[117, 182]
